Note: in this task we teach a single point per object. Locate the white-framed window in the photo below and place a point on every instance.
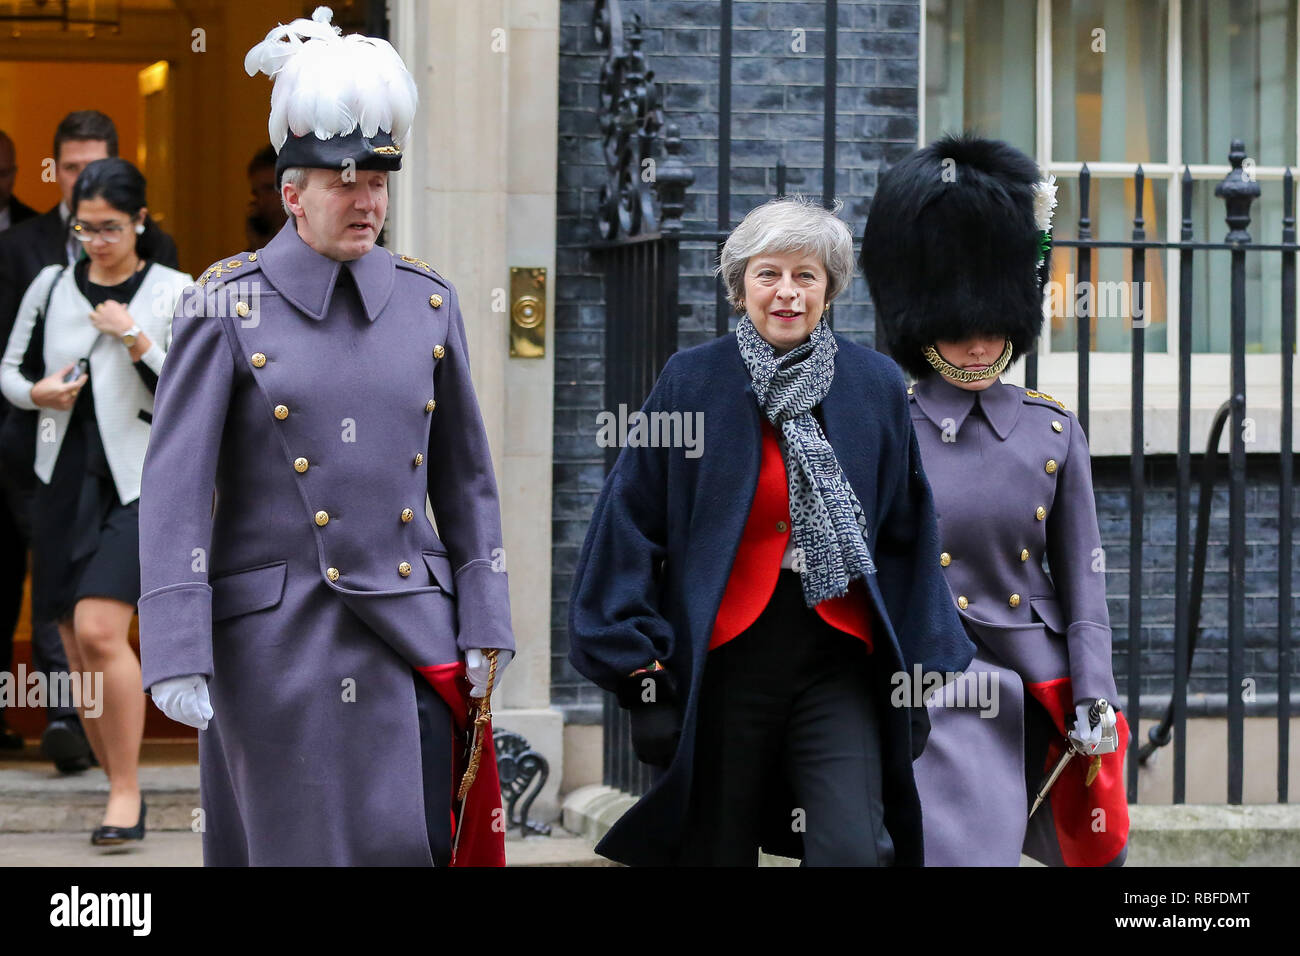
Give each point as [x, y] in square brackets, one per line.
[1115, 84]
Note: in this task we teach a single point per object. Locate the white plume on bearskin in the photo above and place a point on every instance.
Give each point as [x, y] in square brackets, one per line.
[329, 84]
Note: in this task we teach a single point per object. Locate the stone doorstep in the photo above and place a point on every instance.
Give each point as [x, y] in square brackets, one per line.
[1257, 834]
[1159, 835]
[591, 810]
[34, 798]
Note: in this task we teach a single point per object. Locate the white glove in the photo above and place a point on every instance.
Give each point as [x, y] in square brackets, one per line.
[1090, 737]
[184, 699]
[477, 666]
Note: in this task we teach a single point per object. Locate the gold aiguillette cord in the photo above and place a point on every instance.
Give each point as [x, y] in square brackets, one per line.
[482, 715]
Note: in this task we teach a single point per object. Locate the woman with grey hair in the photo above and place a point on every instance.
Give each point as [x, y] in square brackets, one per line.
[753, 603]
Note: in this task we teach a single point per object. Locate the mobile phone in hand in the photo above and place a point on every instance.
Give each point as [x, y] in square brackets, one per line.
[80, 369]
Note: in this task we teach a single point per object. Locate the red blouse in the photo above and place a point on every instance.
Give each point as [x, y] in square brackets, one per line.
[758, 561]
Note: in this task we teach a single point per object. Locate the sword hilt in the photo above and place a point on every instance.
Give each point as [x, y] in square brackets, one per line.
[1096, 711]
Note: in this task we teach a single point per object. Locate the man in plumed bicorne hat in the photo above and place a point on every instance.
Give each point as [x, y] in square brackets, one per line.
[314, 625]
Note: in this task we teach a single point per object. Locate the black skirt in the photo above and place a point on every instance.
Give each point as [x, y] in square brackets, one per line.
[85, 542]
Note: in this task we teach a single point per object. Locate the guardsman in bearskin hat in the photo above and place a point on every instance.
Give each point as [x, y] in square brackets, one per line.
[315, 626]
[955, 253]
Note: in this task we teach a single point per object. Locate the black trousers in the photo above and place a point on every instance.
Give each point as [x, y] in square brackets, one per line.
[788, 707]
[435, 766]
[48, 656]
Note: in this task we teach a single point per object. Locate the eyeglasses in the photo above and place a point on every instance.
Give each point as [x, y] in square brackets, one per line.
[109, 232]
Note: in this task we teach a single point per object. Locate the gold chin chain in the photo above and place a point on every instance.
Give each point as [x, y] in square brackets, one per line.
[944, 367]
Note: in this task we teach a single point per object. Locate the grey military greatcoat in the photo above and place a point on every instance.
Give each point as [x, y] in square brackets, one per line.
[1012, 483]
[322, 401]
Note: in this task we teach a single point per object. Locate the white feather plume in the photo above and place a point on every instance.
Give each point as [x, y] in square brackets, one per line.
[1044, 202]
[330, 84]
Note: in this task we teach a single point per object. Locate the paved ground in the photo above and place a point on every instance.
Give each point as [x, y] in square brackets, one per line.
[183, 849]
[46, 817]
[74, 849]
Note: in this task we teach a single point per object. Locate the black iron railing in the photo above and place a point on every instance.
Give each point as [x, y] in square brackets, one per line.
[1238, 191]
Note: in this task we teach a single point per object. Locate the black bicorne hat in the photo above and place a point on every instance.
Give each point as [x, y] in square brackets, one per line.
[338, 152]
[952, 248]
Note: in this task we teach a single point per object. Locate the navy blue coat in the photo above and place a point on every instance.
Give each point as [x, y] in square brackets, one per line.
[665, 532]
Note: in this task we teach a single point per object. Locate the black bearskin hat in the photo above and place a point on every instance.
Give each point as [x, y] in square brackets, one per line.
[951, 248]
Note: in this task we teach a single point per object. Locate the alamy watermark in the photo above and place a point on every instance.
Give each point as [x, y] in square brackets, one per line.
[133, 910]
[975, 688]
[1099, 300]
[651, 430]
[61, 689]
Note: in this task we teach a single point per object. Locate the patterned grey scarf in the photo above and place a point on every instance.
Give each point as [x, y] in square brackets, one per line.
[830, 527]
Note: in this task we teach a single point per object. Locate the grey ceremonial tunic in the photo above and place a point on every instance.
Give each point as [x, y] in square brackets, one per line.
[1012, 485]
[322, 401]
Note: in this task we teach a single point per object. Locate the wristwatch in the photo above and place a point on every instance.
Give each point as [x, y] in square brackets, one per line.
[129, 336]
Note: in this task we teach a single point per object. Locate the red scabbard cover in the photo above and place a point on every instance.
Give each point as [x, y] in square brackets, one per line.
[482, 829]
[1087, 838]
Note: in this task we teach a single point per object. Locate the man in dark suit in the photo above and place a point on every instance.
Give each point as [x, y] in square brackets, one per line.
[81, 138]
[12, 212]
[12, 209]
[266, 213]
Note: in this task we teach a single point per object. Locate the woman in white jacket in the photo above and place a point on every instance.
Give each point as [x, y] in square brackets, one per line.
[103, 322]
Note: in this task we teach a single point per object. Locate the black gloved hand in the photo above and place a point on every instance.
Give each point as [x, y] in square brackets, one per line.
[650, 697]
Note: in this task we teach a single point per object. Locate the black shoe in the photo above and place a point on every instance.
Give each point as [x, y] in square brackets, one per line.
[115, 836]
[65, 743]
[9, 739]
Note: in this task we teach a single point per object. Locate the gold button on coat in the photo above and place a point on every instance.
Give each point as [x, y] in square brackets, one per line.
[1024, 554]
[332, 573]
[407, 515]
[258, 360]
[439, 351]
[945, 559]
[300, 465]
[1050, 467]
[241, 309]
[404, 569]
[1014, 600]
[1040, 513]
[419, 459]
[1057, 426]
[962, 602]
[430, 405]
[282, 412]
[435, 300]
[781, 526]
[322, 518]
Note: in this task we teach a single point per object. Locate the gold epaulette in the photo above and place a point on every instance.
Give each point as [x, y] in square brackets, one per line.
[1030, 393]
[417, 262]
[224, 267]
